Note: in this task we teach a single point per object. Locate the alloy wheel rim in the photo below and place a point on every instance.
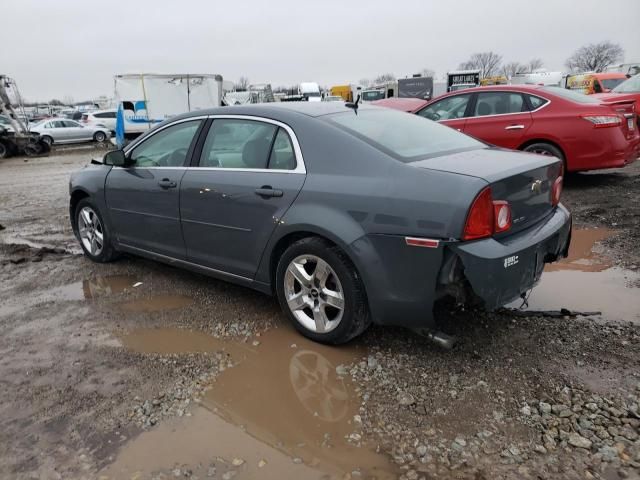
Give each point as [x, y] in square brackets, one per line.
[91, 231]
[314, 293]
[100, 137]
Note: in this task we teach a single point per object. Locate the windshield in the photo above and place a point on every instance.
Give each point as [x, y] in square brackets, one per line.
[371, 95]
[404, 136]
[574, 96]
[610, 83]
[631, 85]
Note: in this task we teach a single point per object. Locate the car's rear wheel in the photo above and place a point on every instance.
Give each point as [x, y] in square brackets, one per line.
[47, 139]
[320, 291]
[95, 238]
[99, 137]
[549, 150]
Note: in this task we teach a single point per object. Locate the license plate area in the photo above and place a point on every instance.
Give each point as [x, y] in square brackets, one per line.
[630, 124]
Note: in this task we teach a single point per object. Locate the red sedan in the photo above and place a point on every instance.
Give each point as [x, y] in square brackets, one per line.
[586, 132]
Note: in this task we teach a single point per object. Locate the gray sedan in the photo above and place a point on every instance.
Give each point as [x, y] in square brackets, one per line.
[349, 215]
[60, 130]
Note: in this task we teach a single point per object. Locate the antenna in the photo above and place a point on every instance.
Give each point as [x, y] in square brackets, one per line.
[353, 105]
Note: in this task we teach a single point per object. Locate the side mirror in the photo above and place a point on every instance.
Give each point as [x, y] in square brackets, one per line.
[115, 158]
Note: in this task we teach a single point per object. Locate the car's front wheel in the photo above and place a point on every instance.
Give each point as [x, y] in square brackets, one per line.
[94, 237]
[321, 292]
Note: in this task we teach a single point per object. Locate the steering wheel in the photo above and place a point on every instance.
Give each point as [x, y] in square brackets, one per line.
[176, 158]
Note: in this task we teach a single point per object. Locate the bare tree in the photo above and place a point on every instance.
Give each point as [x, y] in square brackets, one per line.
[487, 62]
[67, 100]
[427, 72]
[534, 64]
[595, 57]
[385, 77]
[511, 68]
[242, 84]
[364, 82]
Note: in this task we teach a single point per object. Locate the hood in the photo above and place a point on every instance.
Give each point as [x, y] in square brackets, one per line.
[490, 164]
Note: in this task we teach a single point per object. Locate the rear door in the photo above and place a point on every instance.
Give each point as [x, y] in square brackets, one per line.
[450, 111]
[143, 200]
[499, 118]
[247, 174]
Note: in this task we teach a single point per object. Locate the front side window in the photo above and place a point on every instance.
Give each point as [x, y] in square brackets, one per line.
[58, 124]
[448, 108]
[498, 103]
[167, 148]
[70, 124]
[611, 83]
[232, 143]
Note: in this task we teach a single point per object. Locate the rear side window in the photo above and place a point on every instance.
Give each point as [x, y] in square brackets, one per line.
[238, 144]
[498, 103]
[105, 115]
[536, 102]
[403, 136]
[282, 154]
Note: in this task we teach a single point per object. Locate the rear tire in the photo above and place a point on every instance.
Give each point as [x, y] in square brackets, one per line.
[95, 238]
[543, 148]
[99, 137]
[321, 292]
[4, 151]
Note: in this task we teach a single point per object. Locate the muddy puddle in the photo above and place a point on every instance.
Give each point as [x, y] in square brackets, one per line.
[585, 281]
[157, 303]
[281, 408]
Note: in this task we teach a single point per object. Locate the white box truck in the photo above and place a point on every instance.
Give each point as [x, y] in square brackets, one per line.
[150, 98]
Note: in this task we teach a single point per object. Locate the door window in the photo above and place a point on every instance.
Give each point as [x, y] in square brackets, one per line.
[167, 148]
[232, 143]
[448, 108]
[498, 103]
[70, 124]
[536, 102]
[58, 124]
[282, 154]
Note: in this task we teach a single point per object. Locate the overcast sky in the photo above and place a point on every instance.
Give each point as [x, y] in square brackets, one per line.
[73, 48]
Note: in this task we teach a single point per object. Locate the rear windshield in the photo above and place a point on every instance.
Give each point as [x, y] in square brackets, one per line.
[571, 95]
[404, 136]
[629, 86]
[610, 83]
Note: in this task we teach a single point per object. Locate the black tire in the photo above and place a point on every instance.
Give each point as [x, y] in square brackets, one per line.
[99, 137]
[355, 317]
[4, 151]
[107, 253]
[47, 139]
[544, 148]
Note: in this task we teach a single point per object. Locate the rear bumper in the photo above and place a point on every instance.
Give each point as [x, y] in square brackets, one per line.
[499, 271]
[614, 151]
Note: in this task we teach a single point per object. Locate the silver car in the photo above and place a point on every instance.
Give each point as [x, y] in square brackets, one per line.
[61, 130]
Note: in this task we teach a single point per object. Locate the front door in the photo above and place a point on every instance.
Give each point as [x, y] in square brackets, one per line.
[450, 111]
[247, 175]
[77, 132]
[499, 118]
[143, 199]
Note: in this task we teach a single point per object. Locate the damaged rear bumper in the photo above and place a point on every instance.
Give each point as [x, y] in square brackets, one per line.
[501, 270]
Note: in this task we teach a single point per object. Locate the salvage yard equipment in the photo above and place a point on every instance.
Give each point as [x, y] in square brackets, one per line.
[16, 139]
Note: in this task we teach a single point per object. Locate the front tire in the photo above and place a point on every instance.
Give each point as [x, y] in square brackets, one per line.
[99, 137]
[4, 151]
[95, 238]
[47, 139]
[321, 293]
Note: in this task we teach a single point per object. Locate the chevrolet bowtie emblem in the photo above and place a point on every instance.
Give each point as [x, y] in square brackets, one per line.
[536, 187]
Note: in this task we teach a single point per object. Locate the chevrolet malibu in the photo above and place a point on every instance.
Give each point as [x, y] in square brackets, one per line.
[350, 215]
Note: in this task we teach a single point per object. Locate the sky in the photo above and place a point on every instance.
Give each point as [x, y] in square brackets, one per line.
[73, 48]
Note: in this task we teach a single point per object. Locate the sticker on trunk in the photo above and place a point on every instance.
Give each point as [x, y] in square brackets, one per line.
[510, 261]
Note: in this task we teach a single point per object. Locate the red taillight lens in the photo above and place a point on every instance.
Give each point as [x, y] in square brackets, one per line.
[480, 221]
[556, 191]
[603, 121]
[502, 215]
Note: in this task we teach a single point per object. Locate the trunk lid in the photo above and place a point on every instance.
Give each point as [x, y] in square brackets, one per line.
[525, 180]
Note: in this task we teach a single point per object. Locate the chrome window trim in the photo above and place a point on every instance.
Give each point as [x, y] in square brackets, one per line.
[300, 165]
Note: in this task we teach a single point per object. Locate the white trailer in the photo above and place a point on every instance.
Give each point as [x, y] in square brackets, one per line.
[150, 98]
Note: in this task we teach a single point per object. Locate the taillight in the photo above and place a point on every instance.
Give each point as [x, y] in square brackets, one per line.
[603, 121]
[502, 216]
[487, 216]
[556, 191]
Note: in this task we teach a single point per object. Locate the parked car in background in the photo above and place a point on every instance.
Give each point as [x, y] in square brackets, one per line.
[100, 118]
[409, 105]
[590, 83]
[628, 90]
[586, 132]
[349, 215]
[332, 98]
[60, 130]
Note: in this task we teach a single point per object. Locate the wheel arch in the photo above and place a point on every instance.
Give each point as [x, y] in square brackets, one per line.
[544, 140]
[76, 195]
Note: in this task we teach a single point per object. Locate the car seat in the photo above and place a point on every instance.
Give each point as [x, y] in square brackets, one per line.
[254, 153]
[484, 109]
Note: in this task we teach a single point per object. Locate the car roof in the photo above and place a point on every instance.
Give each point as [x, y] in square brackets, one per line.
[404, 104]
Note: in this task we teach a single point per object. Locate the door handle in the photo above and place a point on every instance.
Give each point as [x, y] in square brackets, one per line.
[166, 183]
[268, 191]
[514, 127]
